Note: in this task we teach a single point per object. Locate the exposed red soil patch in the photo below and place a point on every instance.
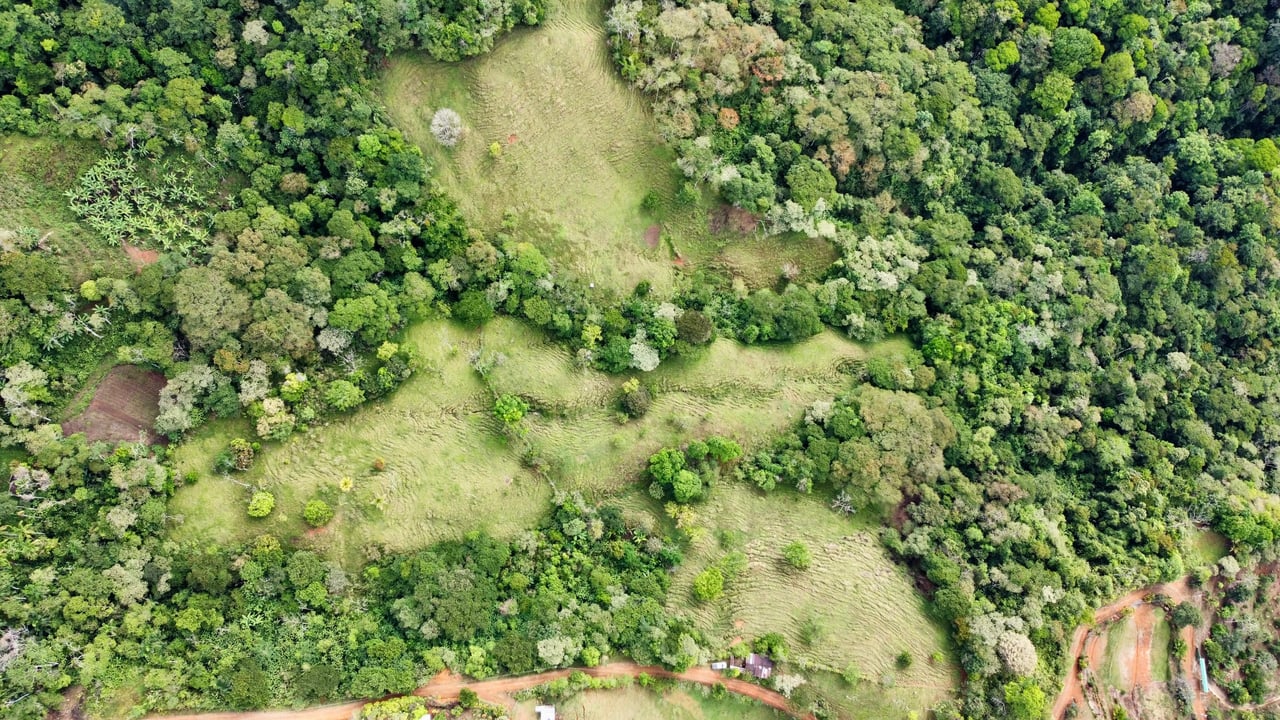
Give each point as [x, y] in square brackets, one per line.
[679, 261]
[512, 139]
[652, 235]
[444, 688]
[1191, 670]
[728, 218]
[139, 257]
[124, 404]
[1092, 643]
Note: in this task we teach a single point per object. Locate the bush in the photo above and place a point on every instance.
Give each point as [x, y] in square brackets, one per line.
[904, 660]
[1185, 614]
[343, 395]
[317, 513]
[798, 556]
[694, 328]
[510, 409]
[261, 504]
[709, 584]
[242, 452]
[635, 398]
[473, 309]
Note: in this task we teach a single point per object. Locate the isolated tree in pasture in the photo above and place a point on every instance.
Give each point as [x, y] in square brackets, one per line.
[317, 513]
[709, 584]
[261, 504]
[446, 126]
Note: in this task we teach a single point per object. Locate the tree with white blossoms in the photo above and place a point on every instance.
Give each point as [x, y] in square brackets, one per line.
[25, 387]
[255, 384]
[255, 33]
[643, 355]
[787, 683]
[276, 422]
[1017, 653]
[558, 650]
[446, 126]
[178, 411]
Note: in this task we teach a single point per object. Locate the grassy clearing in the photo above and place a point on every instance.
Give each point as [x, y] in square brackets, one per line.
[579, 153]
[448, 468]
[1207, 548]
[633, 703]
[1160, 637]
[854, 606]
[34, 174]
[749, 393]
[1122, 638]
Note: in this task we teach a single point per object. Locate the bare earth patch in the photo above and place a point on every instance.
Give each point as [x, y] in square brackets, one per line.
[728, 218]
[139, 257]
[125, 404]
[652, 235]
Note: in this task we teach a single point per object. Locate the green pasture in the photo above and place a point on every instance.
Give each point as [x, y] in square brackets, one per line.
[578, 153]
[853, 607]
[450, 469]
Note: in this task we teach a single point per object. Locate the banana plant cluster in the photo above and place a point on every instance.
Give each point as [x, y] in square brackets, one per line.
[160, 210]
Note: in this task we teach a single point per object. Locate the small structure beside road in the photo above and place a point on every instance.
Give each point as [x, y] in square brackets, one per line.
[759, 666]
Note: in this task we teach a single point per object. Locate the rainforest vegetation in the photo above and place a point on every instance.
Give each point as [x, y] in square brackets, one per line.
[1069, 210]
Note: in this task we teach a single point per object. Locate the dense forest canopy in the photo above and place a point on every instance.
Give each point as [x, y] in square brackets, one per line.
[1071, 209]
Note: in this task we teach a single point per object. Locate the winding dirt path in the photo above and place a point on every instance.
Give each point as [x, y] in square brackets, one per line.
[1191, 670]
[1073, 688]
[446, 686]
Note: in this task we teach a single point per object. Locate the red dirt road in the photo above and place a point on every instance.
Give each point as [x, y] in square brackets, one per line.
[1191, 670]
[446, 686]
[1072, 688]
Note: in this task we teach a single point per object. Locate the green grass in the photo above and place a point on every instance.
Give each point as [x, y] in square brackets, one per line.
[449, 470]
[749, 393]
[34, 174]
[580, 151]
[1121, 638]
[634, 703]
[1207, 548]
[882, 697]
[1160, 637]
[864, 607]
[9, 455]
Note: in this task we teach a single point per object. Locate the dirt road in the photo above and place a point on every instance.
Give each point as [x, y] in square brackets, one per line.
[1072, 688]
[446, 686]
